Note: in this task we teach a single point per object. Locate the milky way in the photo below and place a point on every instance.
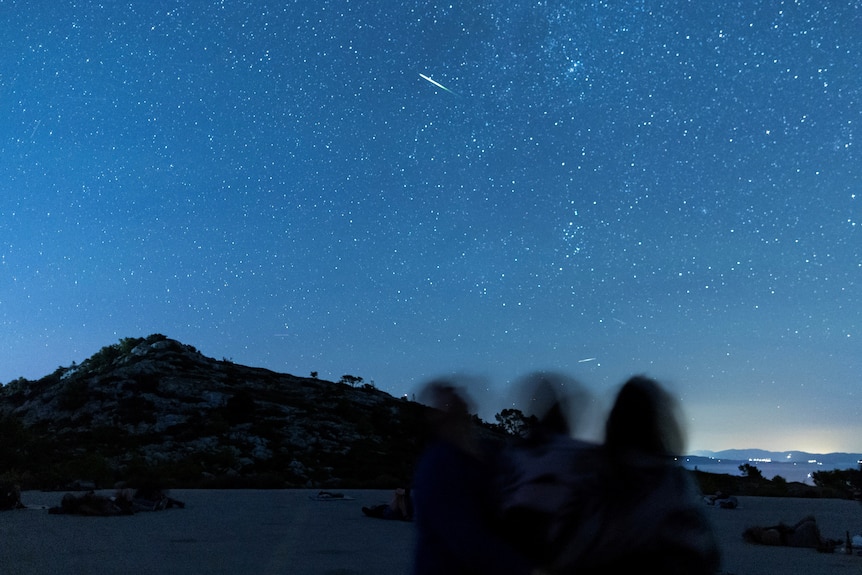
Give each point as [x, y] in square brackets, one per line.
[668, 188]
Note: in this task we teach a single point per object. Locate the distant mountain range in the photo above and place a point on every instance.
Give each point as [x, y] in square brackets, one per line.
[831, 460]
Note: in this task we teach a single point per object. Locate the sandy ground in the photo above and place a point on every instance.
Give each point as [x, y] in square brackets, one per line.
[835, 517]
[283, 532]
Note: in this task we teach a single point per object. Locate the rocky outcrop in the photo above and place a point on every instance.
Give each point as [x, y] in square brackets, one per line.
[155, 406]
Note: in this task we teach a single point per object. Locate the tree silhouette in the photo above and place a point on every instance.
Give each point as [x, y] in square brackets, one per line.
[514, 422]
[750, 471]
[351, 380]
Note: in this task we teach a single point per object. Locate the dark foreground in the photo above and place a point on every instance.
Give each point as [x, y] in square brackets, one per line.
[284, 531]
[219, 531]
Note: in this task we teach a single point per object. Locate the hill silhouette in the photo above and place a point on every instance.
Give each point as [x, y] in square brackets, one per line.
[156, 409]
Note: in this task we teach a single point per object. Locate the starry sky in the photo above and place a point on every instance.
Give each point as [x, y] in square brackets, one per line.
[407, 189]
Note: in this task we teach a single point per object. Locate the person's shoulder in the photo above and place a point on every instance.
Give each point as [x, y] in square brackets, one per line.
[440, 455]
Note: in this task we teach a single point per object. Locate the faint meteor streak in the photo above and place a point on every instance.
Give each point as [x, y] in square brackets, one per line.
[587, 359]
[438, 84]
[36, 127]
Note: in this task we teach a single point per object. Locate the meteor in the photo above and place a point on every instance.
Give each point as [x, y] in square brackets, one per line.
[438, 84]
[587, 359]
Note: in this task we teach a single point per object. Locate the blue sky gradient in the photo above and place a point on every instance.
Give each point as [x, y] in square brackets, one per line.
[670, 188]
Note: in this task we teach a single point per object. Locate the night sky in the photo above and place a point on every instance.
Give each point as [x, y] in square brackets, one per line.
[402, 190]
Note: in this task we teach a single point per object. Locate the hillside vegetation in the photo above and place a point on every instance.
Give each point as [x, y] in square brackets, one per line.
[156, 408]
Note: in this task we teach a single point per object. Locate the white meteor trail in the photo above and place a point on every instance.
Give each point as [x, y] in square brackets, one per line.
[438, 84]
[587, 359]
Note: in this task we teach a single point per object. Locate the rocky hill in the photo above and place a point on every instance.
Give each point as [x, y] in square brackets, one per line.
[156, 409]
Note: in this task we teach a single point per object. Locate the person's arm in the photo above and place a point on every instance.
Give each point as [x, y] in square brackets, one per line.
[451, 508]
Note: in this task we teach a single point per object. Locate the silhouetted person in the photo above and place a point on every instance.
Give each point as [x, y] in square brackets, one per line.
[454, 498]
[641, 512]
[400, 507]
[541, 473]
